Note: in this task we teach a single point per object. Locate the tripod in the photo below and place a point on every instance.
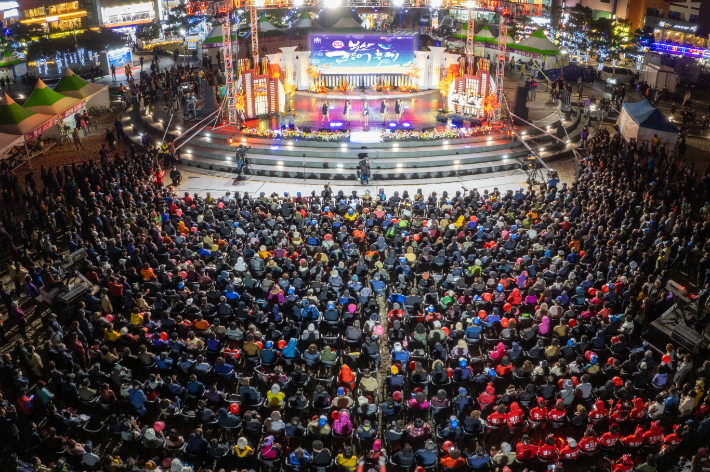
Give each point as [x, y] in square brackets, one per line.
[534, 172]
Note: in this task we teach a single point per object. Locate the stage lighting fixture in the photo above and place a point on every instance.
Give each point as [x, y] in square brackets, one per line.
[457, 162]
[208, 135]
[244, 140]
[406, 125]
[340, 165]
[230, 140]
[280, 163]
[400, 165]
[337, 124]
[343, 145]
[297, 3]
[398, 3]
[505, 156]
[274, 147]
[446, 141]
[393, 125]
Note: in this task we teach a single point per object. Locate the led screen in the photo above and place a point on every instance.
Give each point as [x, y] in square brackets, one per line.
[358, 54]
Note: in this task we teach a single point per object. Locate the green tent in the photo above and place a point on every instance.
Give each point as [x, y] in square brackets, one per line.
[537, 43]
[15, 119]
[45, 100]
[71, 85]
[9, 60]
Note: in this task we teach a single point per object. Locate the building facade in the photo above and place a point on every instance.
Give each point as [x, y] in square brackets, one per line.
[55, 16]
[603, 8]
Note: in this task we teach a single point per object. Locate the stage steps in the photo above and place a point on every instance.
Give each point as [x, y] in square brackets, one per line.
[440, 161]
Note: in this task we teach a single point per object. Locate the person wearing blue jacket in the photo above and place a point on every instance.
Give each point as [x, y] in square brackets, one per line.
[268, 355]
[299, 457]
[290, 351]
[137, 398]
[399, 353]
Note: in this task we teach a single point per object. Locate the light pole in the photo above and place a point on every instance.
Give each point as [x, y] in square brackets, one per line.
[184, 46]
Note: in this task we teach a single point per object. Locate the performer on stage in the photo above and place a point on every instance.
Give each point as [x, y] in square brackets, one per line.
[346, 112]
[398, 109]
[383, 110]
[366, 113]
[325, 109]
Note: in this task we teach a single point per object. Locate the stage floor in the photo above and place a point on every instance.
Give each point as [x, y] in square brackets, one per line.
[419, 111]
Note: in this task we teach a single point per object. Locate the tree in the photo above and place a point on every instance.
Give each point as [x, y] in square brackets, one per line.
[149, 31]
[21, 34]
[644, 38]
[178, 23]
[101, 40]
[577, 29]
[517, 26]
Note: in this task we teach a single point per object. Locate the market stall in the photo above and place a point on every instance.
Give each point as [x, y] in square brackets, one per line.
[538, 48]
[643, 121]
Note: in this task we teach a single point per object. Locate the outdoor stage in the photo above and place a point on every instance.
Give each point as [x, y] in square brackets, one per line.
[419, 111]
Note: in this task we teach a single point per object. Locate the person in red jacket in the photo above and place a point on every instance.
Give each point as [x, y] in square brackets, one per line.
[395, 314]
[611, 437]
[625, 464]
[159, 174]
[538, 414]
[654, 435]
[515, 416]
[670, 441]
[634, 440]
[525, 452]
[619, 413]
[498, 418]
[639, 411]
[570, 450]
[598, 412]
[589, 442]
[504, 368]
[488, 397]
[558, 413]
[548, 451]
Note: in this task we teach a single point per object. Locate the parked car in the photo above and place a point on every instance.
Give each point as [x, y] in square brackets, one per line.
[616, 75]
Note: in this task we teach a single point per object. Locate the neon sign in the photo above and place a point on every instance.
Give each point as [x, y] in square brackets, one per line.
[681, 50]
[665, 24]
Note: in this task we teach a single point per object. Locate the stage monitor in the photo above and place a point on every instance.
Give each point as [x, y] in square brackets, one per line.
[362, 54]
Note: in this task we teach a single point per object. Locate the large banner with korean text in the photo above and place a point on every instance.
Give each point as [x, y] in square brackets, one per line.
[362, 54]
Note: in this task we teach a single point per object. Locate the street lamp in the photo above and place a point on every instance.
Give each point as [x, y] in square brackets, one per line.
[184, 46]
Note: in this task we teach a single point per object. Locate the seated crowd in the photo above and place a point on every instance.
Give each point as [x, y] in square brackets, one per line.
[482, 331]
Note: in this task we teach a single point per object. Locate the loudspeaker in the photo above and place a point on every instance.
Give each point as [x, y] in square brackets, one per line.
[521, 97]
[476, 122]
[457, 120]
[306, 129]
[687, 337]
[442, 118]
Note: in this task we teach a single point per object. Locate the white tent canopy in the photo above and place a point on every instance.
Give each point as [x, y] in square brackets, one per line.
[345, 23]
[642, 121]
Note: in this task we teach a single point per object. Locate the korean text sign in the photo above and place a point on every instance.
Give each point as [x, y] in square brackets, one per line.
[362, 54]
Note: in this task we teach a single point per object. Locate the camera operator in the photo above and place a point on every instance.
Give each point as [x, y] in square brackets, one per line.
[364, 170]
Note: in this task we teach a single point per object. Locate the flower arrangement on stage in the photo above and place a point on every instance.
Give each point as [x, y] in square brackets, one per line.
[344, 86]
[382, 86]
[430, 135]
[297, 134]
[413, 73]
[313, 72]
[490, 103]
[317, 86]
[241, 102]
[409, 88]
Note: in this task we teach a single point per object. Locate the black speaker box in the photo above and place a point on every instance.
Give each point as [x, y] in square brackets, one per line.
[306, 129]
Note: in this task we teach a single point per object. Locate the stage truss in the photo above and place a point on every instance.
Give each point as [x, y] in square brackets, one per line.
[503, 7]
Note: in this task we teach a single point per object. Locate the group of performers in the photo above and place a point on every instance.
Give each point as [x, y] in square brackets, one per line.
[470, 102]
[366, 110]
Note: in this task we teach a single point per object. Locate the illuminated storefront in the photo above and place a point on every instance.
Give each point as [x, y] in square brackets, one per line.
[676, 32]
[681, 50]
[128, 15]
[58, 17]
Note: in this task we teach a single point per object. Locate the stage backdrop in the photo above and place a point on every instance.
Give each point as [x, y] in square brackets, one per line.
[362, 54]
